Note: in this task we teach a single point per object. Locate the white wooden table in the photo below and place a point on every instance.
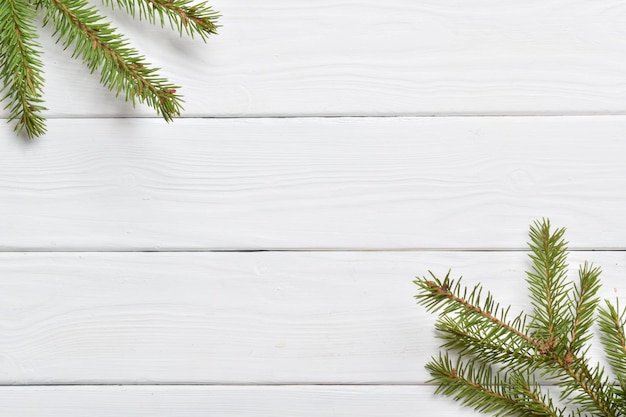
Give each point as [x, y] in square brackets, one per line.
[256, 257]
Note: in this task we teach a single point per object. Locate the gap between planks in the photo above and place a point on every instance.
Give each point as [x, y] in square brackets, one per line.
[302, 250]
[230, 385]
[348, 116]
[226, 384]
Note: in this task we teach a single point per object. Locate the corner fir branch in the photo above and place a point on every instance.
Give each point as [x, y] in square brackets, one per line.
[21, 67]
[553, 345]
[123, 69]
[184, 15]
[79, 26]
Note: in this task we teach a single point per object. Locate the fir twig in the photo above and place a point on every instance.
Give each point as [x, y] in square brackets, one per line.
[554, 343]
[584, 304]
[183, 15]
[478, 385]
[470, 326]
[475, 384]
[548, 286]
[78, 25]
[21, 67]
[612, 322]
[123, 69]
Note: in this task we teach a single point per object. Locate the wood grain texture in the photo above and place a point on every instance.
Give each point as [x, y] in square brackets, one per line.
[238, 318]
[132, 232]
[302, 401]
[338, 183]
[361, 57]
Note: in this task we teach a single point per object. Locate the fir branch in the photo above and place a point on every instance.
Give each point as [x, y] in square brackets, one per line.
[553, 319]
[474, 384]
[612, 322]
[586, 387]
[123, 69]
[79, 25]
[484, 343]
[529, 396]
[446, 296]
[21, 67]
[584, 305]
[548, 286]
[479, 386]
[493, 337]
[183, 15]
[555, 344]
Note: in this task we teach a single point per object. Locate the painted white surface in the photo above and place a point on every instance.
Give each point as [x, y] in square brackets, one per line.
[238, 318]
[324, 183]
[80, 303]
[240, 401]
[366, 57]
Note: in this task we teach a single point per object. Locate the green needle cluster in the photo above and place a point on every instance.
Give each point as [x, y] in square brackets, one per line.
[492, 362]
[78, 25]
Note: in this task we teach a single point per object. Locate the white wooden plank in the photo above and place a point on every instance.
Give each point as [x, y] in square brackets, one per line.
[357, 183]
[237, 318]
[304, 401]
[361, 57]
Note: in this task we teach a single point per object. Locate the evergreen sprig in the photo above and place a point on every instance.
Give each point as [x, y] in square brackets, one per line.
[20, 66]
[79, 25]
[499, 360]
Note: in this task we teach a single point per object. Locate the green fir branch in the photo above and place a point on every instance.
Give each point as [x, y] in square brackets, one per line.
[477, 340]
[183, 15]
[477, 385]
[553, 345]
[79, 25]
[584, 304]
[123, 69]
[548, 286]
[468, 325]
[474, 384]
[612, 322]
[448, 296]
[21, 67]
[531, 399]
[587, 387]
